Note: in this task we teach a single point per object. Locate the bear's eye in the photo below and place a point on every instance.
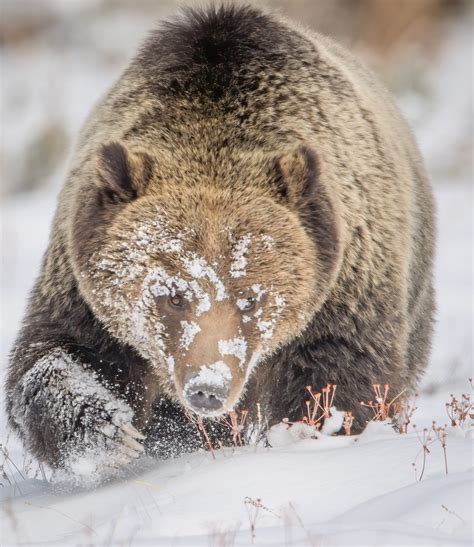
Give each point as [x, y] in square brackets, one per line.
[247, 304]
[176, 301]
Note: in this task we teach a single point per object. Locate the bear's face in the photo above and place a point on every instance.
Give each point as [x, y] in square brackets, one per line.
[203, 283]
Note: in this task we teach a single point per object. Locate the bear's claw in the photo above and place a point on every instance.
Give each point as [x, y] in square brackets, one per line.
[132, 431]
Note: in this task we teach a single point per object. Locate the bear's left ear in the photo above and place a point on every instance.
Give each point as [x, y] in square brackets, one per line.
[122, 175]
[304, 190]
[297, 176]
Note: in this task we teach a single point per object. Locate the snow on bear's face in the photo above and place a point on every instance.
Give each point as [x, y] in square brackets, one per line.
[203, 288]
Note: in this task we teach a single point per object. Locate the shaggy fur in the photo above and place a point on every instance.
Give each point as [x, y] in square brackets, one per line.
[229, 122]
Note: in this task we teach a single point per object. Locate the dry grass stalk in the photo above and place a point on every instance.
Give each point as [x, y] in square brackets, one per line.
[403, 411]
[221, 536]
[8, 468]
[426, 439]
[319, 407]
[382, 407]
[253, 507]
[202, 429]
[453, 513]
[258, 503]
[440, 433]
[199, 423]
[311, 539]
[459, 411]
[328, 394]
[236, 425]
[348, 421]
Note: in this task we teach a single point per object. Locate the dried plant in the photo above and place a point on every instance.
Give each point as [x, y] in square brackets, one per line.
[426, 439]
[199, 423]
[313, 417]
[440, 433]
[313, 541]
[403, 411]
[253, 507]
[348, 421]
[221, 536]
[236, 424]
[460, 410]
[453, 513]
[319, 407]
[258, 503]
[8, 468]
[328, 394]
[382, 407]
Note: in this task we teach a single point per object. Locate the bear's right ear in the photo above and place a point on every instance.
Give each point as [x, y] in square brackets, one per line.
[122, 175]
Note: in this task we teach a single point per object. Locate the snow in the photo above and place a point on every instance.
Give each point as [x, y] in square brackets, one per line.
[218, 374]
[334, 423]
[238, 255]
[266, 328]
[284, 434]
[257, 289]
[170, 362]
[190, 329]
[236, 347]
[362, 493]
[242, 303]
[198, 269]
[308, 488]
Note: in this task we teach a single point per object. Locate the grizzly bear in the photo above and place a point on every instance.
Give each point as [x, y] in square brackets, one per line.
[246, 214]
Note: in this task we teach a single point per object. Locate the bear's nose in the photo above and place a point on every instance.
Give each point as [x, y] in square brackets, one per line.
[206, 398]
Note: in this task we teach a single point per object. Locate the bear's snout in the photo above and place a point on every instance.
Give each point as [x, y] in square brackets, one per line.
[207, 398]
[207, 391]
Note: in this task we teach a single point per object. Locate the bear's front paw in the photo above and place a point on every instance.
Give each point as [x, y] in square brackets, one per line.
[72, 420]
[120, 437]
[106, 428]
[103, 444]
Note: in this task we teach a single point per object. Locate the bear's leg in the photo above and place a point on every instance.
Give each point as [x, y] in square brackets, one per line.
[173, 431]
[353, 369]
[62, 410]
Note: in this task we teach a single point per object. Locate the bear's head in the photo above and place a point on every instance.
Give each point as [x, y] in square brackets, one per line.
[205, 277]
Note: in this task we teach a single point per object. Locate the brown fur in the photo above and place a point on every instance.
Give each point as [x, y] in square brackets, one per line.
[231, 122]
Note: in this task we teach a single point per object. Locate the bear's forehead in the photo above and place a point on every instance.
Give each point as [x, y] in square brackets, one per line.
[196, 251]
[168, 259]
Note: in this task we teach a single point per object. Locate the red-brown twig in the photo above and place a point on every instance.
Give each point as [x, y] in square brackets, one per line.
[319, 407]
[403, 411]
[440, 433]
[381, 407]
[236, 425]
[348, 421]
[459, 411]
[328, 393]
[199, 423]
[425, 440]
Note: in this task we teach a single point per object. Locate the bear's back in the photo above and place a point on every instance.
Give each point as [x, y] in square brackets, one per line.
[235, 78]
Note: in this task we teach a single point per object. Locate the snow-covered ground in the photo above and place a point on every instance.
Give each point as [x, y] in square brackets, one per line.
[326, 491]
[332, 491]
